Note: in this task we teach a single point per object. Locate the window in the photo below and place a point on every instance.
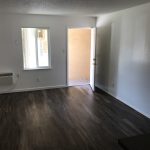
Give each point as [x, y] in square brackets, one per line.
[35, 48]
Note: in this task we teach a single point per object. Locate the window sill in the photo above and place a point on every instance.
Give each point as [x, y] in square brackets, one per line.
[45, 68]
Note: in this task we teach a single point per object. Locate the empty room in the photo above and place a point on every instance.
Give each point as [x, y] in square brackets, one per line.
[75, 75]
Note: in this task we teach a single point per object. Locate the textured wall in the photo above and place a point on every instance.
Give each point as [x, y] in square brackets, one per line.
[11, 58]
[123, 56]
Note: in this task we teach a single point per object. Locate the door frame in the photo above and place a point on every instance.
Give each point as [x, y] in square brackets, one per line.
[93, 60]
[67, 50]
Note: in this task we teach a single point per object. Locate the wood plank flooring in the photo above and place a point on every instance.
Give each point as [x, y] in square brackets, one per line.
[71, 118]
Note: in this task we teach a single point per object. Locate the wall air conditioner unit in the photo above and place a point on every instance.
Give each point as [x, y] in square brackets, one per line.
[6, 79]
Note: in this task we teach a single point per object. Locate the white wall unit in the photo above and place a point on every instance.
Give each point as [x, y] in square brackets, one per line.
[123, 56]
[11, 57]
[6, 79]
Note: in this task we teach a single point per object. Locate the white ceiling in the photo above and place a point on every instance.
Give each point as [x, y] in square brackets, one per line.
[67, 7]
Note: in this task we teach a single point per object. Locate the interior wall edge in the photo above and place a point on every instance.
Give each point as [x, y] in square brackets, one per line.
[117, 98]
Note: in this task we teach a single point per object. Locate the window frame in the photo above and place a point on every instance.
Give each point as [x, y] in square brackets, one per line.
[49, 50]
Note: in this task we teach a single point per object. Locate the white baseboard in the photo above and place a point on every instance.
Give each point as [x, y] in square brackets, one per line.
[102, 88]
[120, 99]
[34, 89]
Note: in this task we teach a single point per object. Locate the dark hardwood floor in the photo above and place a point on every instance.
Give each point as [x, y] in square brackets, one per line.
[71, 118]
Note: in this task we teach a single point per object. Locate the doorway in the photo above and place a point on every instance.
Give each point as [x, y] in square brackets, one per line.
[81, 56]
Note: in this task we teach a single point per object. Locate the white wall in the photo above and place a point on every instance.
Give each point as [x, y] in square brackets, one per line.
[11, 49]
[123, 56]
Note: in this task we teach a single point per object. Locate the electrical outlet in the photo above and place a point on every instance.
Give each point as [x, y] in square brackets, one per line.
[37, 80]
[17, 75]
[113, 83]
[16, 42]
[63, 51]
